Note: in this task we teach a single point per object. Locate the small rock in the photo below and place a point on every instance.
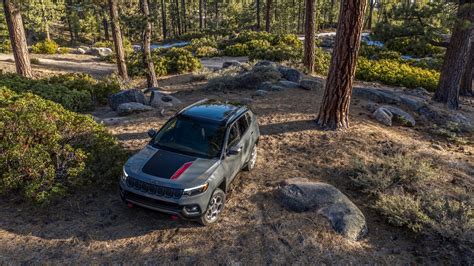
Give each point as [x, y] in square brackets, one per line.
[260, 93]
[312, 84]
[132, 108]
[266, 63]
[264, 85]
[371, 107]
[126, 96]
[383, 116]
[160, 100]
[277, 88]
[437, 147]
[231, 63]
[386, 114]
[290, 74]
[80, 51]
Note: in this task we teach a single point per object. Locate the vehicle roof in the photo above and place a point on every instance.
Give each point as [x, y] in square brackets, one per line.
[214, 111]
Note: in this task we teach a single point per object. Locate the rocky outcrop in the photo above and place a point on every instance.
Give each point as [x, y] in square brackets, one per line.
[312, 84]
[231, 63]
[387, 115]
[345, 217]
[290, 74]
[161, 100]
[126, 96]
[132, 108]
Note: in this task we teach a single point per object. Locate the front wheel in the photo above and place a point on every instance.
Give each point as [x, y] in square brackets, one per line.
[214, 209]
[252, 160]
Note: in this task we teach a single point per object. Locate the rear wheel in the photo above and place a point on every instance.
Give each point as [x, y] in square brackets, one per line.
[214, 208]
[252, 159]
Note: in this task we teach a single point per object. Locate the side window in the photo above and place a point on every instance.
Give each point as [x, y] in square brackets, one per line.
[234, 135]
[243, 123]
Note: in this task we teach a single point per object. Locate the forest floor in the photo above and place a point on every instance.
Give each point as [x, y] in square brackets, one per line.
[95, 226]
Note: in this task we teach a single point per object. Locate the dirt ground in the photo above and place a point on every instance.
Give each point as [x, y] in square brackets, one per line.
[96, 227]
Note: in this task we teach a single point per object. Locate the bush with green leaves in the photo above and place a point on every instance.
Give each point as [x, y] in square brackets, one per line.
[45, 47]
[413, 46]
[6, 47]
[393, 72]
[378, 53]
[206, 51]
[322, 61]
[166, 61]
[76, 92]
[106, 44]
[47, 151]
[238, 49]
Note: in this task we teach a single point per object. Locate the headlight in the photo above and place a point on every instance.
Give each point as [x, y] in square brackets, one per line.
[196, 190]
[124, 175]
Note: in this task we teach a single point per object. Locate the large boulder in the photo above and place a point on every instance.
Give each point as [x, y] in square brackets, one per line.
[132, 108]
[387, 114]
[290, 74]
[376, 95]
[345, 217]
[256, 76]
[126, 96]
[161, 100]
[288, 84]
[312, 84]
[101, 51]
[411, 103]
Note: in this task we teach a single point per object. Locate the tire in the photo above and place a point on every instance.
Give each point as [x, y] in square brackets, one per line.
[252, 159]
[213, 211]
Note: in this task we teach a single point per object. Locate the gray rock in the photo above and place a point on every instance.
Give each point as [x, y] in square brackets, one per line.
[80, 51]
[126, 96]
[277, 88]
[288, 84]
[260, 93]
[312, 84]
[411, 103]
[245, 101]
[266, 63]
[160, 100]
[376, 95]
[290, 74]
[420, 92]
[231, 63]
[300, 195]
[264, 85]
[132, 108]
[100, 51]
[257, 76]
[387, 114]
[371, 107]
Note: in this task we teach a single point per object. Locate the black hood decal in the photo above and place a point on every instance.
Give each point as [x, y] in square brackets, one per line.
[165, 163]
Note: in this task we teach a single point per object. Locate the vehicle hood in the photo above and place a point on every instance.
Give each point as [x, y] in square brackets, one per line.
[158, 166]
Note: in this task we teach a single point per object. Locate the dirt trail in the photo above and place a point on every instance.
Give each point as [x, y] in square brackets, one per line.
[95, 226]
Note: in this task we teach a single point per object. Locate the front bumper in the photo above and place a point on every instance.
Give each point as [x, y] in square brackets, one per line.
[181, 207]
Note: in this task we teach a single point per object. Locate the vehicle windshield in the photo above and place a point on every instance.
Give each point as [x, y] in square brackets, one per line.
[191, 137]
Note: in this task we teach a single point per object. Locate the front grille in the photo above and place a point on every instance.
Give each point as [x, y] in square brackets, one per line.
[154, 189]
[160, 204]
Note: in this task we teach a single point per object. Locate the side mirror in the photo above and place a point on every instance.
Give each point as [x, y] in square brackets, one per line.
[234, 150]
[152, 132]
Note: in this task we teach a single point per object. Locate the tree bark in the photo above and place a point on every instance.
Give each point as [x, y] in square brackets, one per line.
[268, 14]
[17, 39]
[178, 17]
[259, 24]
[105, 24]
[117, 36]
[201, 18]
[183, 12]
[456, 56]
[147, 59]
[334, 110]
[309, 38]
[163, 17]
[45, 21]
[371, 13]
[466, 82]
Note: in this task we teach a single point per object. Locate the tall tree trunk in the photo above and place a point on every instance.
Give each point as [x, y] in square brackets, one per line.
[309, 38]
[17, 39]
[456, 56]
[466, 82]
[201, 17]
[183, 12]
[299, 17]
[105, 24]
[216, 15]
[147, 59]
[163, 17]
[259, 24]
[371, 13]
[268, 14]
[45, 21]
[178, 17]
[117, 36]
[334, 110]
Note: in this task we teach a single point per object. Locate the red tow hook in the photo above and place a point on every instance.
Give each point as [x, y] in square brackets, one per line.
[174, 218]
[129, 205]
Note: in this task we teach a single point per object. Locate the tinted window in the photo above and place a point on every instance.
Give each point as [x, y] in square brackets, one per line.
[233, 136]
[191, 137]
[243, 123]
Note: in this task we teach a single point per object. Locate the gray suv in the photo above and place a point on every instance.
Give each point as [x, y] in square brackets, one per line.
[189, 164]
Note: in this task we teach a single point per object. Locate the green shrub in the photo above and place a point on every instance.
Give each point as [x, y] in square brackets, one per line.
[237, 49]
[378, 53]
[47, 151]
[322, 61]
[6, 47]
[392, 72]
[45, 47]
[34, 61]
[76, 92]
[171, 61]
[206, 51]
[290, 40]
[210, 41]
[106, 44]
[413, 46]
[277, 53]
[258, 44]
[65, 50]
